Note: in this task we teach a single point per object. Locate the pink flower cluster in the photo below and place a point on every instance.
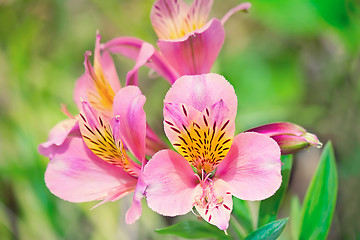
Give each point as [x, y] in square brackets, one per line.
[108, 150]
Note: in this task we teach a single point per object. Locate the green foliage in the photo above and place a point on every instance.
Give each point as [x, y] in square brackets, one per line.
[241, 213]
[320, 200]
[269, 208]
[270, 231]
[193, 230]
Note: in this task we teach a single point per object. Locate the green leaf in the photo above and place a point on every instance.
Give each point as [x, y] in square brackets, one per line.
[295, 217]
[320, 199]
[269, 231]
[193, 230]
[269, 208]
[242, 214]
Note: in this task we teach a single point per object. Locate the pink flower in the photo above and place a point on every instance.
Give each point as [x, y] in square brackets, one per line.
[98, 86]
[188, 42]
[95, 166]
[199, 120]
[290, 137]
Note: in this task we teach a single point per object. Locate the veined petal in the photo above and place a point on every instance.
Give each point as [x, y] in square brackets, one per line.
[76, 174]
[198, 13]
[252, 167]
[99, 92]
[128, 109]
[98, 83]
[103, 139]
[57, 136]
[146, 52]
[203, 138]
[171, 183]
[103, 63]
[130, 48]
[215, 204]
[195, 53]
[203, 91]
[167, 18]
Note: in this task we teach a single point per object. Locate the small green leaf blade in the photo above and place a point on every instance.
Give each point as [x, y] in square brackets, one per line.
[270, 231]
[269, 208]
[242, 214]
[320, 199]
[295, 217]
[193, 230]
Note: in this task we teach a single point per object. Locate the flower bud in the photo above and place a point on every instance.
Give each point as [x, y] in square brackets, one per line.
[290, 137]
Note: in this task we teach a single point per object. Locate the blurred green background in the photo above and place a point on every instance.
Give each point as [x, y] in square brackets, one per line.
[289, 60]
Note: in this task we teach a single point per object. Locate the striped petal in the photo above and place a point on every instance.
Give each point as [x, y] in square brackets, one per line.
[203, 138]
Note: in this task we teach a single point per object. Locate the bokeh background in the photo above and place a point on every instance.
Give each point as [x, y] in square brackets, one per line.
[289, 60]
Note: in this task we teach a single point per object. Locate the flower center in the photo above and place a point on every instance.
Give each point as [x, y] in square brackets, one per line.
[204, 142]
[208, 200]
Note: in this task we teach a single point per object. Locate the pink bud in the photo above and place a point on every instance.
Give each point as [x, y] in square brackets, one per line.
[289, 136]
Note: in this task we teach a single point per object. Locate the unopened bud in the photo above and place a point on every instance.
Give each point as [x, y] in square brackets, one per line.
[290, 137]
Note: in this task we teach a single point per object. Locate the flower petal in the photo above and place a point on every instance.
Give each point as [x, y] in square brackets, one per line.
[252, 167]
[77, 175]
[58, 135]
[128, 109]
[203, 138]
[171, 182]
[203, 91]
[196, 52]
[130, 48]
[146, 52]
[134, 211]
[218, 215]
[167, 17]
[199, 12]
[107, 65]
[104, 139]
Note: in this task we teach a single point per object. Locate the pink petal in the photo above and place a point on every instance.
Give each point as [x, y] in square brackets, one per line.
[171, 182]
[77, 175]
[58, 135]
[252, 167]
[146, 52]
[220, 215]
[203, 91]
[107, 65]
[130, 47]
[128, 109]
[279, 128]
[167, 18]
[199, 12]
[81, 90]
[196, 52]
[105, 140]
[134, 211]
[241, 7]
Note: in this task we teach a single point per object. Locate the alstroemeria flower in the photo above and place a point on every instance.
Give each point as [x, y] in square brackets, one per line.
[188, 42]
[290, 137]
[199, 120]
[96, 165]
[98, 86]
